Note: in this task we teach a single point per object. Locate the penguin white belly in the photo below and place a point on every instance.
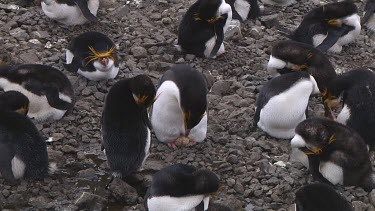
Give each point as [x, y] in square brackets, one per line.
[282, 3]
[332, 172]
[371, 23]
[274, 64]
[243, 8]
[147, 147]
[18, 167]
[99, 75]
[199, 132]
[344, 115]
[68, 56]
[353, 20]
[168, 203]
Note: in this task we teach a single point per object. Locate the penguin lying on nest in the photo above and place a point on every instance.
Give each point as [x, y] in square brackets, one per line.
[23, 151]
[336, 154]
[71, 12]
[49, 91]
[369, 18]
[244, 9]
[180, 187]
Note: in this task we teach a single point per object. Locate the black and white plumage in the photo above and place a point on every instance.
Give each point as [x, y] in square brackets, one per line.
[244, 9]
[92, 55]
[71, 12]
[282, 103]
[320, 197]
[336, 153]
[181, 106]
[49, 91]
[201, 31]
[329, 27]
[291, 56]
[281, 3]
[369, 17]
[356, 89]
[180, 187]
[126, 135]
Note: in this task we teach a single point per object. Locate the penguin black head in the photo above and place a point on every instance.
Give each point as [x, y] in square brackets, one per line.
[143, 90]
[14, 101]
[205, 182]
[207, 10]
[332, 13]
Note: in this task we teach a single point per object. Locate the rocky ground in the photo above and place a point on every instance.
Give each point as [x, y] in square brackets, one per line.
[246, 161]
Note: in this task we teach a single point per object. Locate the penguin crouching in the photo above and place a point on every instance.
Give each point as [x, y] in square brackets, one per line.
[336, 153]
[92, 55]
[369, 17]
[244, 9]
[49, 91]
[282, 103]
[180, 187]
[201, 31]
[126, 136]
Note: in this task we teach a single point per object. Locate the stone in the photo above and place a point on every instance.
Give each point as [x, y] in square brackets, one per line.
[88, 201]
[29, 58]
[221, 88]
[19, 34]
[123, 192]
[270, 21]
[139, 52]
[88, 174]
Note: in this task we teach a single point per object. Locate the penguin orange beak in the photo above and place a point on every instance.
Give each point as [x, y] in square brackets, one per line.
[140, 100]
[104, 61]
[335, 22]
[24, 110]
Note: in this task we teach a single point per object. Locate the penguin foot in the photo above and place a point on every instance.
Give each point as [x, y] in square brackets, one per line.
[172, 145]
[191, 143]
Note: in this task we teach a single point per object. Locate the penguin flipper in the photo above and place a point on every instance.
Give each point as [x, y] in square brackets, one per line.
[332, 37]
[52, 94]
[72, 67]
[370, 9]
[219, 31]
[254, 9]
[82, 4]
[6, 156]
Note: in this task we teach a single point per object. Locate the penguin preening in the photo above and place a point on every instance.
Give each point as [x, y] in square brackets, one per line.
[329, 27]
[181, 187]
[71, 12]
[201, 31]
[49, 91]
[126, 136]
[244, 9]
[23, 151]
[180, 109]
[282, 103]
[369, 17]
[320, 197]
[92, 55]
[336, 153]
[291, 56]
[356, 89]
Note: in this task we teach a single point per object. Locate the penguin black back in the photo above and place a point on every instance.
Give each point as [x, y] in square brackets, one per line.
[240, 11]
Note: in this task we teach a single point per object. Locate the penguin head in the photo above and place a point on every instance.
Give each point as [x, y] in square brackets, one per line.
[205, 182]
[336, 14]
[208, 10]
[14, 101]
[143, 90]
[101, 56]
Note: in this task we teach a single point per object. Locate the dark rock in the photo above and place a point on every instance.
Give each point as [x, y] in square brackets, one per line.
[123, 192]
[88, 201]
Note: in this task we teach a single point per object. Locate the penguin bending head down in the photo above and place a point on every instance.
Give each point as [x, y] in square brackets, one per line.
[369, 17]
[244, 9]
[329, 27]
[23, 151]
[336, 153]
[71, 12]
[93, 55]
[282, 103]
[180, 187]
[126, 136]
[180, 109]
[201, 31]
[49, 91]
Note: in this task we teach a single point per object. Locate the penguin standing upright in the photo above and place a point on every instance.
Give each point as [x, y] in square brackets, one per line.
[180, 187]
[126, 126]
[336, 153]
[369, 17]
[23, 151]
[291, 56]
[282, 103]
[49, 91]
[280, 3]
[201, 31]
[330, 26]
[93, 55]
[356, 88]
[180, 109]
[244, 9]
[71, 12]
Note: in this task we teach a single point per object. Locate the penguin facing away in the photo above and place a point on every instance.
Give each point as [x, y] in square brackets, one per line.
[369, 17]
[92, 55]
[336, 153]
[71, 12]
[320, 197]
[282, 103]
[23, 151]
[291, 56]
[180, 187]
[329, 27]
[126, 136]
[49, 91]
[180, 109]
[281, 3]
[356, 88]
[244, 9]
[201, 31]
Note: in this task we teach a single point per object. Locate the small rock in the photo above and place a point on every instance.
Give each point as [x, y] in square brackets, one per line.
[68, 149]
[40, 202]
[139, 52]
[39, 34]
[123, 192]
[88, 201]
[29, 58]
[221, 88]
[19, 34]
[270, 21]
[88, 174]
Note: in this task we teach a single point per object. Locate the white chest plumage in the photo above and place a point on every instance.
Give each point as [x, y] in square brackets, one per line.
[243, 8]
[168, 203]
[344, 115]
[274, 64]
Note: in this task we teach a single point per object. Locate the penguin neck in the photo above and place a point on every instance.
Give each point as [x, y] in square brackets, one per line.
[301, 90]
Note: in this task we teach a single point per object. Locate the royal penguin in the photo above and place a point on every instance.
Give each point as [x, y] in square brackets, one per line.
[329, 27]
[320, 197]
[244, 9]
[49, 91]
[180, 109]
[71, 12]
[282, 103]
[356, 90]
[126, 136]
[336, 154]
[291, 56]
[92, 55]
[369, 17]
[23, 151]
[280, 3]
[201, 31]
[181, 187]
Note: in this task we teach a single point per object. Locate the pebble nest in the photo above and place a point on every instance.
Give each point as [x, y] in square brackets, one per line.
[248, 162]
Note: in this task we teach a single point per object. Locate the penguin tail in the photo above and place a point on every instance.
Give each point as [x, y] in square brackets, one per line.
[285, 32]
[368, 183]
[52, 168]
